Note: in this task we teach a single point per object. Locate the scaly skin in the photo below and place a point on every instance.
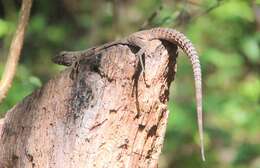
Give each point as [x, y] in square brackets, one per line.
[185, 44]
[139, 39]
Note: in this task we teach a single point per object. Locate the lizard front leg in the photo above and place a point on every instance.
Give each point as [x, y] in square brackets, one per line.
[141, 43]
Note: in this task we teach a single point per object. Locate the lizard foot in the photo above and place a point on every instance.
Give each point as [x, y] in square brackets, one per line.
[140, 54]
[75, 70]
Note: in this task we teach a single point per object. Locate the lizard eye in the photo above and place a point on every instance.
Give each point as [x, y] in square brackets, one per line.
[62, 53]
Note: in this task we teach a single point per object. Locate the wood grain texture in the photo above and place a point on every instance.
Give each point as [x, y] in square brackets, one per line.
[106, 117]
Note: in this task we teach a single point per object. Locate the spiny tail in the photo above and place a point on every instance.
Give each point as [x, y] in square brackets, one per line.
[181, 40]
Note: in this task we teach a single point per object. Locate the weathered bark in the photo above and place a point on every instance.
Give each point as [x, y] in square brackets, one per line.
[105, 117]
[1, 125]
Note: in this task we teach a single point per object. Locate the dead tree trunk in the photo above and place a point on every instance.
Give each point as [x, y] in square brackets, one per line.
[106, 117]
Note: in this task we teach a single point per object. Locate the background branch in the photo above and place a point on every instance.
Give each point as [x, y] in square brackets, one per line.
[15, 49]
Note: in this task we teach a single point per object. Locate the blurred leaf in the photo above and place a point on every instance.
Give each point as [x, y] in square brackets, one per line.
[250, 89]
[234, 9]
[85, 20]
[250, 47]
[55, 34]
[177, 119]
[235, 113]
[37, 24]
[35, 81]
[222, 59]
[246, 152]
[166, 17]
[3, 27]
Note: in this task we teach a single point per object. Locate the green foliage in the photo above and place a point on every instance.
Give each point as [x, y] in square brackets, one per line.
[250, 48]
[3, 28]
[23, 84]
[233, 10]
[228, 43]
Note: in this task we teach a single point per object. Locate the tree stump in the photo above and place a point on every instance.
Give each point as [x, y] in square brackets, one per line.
[108, 116]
